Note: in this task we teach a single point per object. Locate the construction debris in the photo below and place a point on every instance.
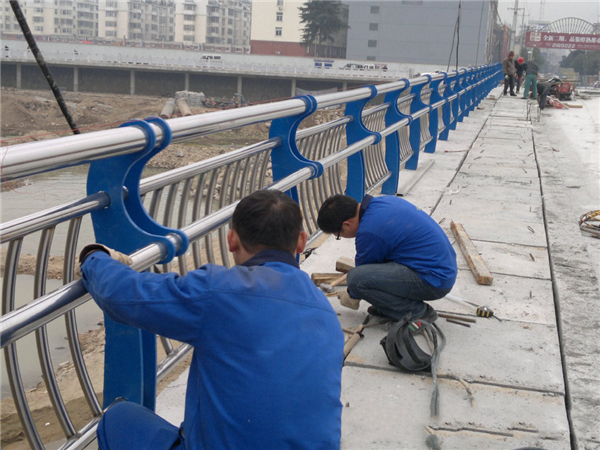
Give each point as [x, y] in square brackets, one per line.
[480, 271]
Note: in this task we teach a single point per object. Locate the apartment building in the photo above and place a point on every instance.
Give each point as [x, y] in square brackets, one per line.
[228, 22]
[192, 23]
[276, 30]
[69, 19]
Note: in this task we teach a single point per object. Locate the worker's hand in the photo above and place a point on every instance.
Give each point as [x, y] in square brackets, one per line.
[118, 256]
[506, 77]
[347, 301]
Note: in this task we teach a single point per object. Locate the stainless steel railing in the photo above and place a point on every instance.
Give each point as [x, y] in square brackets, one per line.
[197, 199]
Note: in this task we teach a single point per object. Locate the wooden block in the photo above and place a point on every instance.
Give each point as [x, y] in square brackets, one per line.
[573, 105]
[328, 278]
[344, 264]
[480, 271]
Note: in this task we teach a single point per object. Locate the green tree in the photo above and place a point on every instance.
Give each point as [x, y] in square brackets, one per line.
[322, 19]
[583, 62]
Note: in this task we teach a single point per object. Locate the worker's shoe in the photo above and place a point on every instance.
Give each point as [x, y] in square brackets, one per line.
[377, 312]
[349, 302]
[513, 95]
[430, 315]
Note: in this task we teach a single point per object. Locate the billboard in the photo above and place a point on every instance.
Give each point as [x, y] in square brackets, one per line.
[563, 41]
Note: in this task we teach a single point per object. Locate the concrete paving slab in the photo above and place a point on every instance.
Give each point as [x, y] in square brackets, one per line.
[516, 150]
[509, 354]
[511, 259]
[491, 179]
[481, 182]
[510, 297]
[498, 171]
[498, 230]
[489, 208]
[502, 160]
[376, 405]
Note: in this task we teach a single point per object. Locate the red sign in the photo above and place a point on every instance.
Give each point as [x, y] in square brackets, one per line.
[564, 41]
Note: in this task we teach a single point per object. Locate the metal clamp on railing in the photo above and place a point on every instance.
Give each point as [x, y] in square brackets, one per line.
[393, 157]
[286, 158]
[356, 131]
[126, 226]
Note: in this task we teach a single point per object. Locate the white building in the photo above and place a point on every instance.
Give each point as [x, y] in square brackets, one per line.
[224, 24]
[68, 19]
[276, 29]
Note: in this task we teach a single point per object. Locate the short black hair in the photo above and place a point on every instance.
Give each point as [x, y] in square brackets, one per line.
[267, 220]
[335, 211]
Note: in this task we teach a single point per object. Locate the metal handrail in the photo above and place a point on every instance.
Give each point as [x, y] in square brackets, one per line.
[189, 195]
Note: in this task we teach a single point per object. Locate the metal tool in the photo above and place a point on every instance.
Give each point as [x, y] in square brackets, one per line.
[329, 287]
[481, 311]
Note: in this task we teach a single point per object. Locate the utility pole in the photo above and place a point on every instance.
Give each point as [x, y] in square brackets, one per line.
[513, 39]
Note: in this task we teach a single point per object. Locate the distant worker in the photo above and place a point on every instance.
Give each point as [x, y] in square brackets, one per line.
[543, 89]
[403, 257]
[520, 67]
[531, 77]
[508, 67]
[268, 346]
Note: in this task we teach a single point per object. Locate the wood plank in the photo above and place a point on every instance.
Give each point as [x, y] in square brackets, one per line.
[480, 271]
[344, 264]
[328, 278]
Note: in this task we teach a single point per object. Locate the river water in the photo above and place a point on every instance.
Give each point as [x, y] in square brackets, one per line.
[39, 193]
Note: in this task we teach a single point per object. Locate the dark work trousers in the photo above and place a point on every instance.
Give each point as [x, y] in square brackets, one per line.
[510, 81]
[519, 81]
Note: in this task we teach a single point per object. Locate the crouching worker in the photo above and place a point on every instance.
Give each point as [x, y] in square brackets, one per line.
[268, 347]
[403, 257]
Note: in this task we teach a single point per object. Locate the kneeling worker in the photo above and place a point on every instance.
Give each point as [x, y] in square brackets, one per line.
[268, 347]
[403, 256]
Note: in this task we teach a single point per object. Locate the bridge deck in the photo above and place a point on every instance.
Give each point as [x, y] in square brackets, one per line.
[490, 178]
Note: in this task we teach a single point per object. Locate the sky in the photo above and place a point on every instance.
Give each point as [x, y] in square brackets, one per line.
[588, 10]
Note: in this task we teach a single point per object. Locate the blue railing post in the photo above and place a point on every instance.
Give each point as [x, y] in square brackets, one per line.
[446, 109]
[462, 93]
[454, 90]
[130, 353]
[286, 158]
[393, 115]
[356, 131]
[415, 126]
[434, 115]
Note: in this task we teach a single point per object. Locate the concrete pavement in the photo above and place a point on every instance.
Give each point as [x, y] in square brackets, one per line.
[502, 383]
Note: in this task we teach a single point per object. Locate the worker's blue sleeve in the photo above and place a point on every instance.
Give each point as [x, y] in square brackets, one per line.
[165, 304]
[370, 249]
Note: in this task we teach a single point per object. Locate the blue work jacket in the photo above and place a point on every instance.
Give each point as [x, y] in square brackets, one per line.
[268, 348]
[392, 229]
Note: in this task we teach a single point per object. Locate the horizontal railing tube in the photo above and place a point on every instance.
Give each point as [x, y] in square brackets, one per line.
[23, 226]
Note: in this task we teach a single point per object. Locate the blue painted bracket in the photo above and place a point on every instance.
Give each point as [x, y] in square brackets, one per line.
[434, 115]
[455, 103]
[286, 158]
[415, 126]
[392, 141]
[130, 355]
[356, 131]
[462, 73]
[446, 109]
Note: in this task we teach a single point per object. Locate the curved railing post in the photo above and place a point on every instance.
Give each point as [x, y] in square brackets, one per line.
[464, 94]
[446, 109]
[392, 141]
[454, 88]
[286, 157]
[356, 131]
[415, 126]
[130, 353]
[434, 115]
